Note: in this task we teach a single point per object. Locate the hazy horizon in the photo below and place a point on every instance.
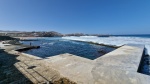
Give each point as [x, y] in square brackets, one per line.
[71, 33]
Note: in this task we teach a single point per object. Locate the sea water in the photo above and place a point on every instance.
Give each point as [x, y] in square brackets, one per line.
[55, 46]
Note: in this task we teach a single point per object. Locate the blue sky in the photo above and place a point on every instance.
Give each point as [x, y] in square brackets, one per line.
[70, 16]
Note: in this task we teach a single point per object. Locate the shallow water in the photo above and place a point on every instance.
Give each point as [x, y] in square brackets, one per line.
[56, 46]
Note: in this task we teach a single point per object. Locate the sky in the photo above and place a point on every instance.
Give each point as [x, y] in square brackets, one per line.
[72, 16]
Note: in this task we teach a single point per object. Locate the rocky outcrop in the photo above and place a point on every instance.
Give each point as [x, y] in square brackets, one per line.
[2, 38]
[8, 72]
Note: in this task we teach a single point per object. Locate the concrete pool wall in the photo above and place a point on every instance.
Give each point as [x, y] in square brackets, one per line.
[121, 66]
[117, 67]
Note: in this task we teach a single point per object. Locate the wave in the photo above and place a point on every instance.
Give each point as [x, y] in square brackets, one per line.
[48, 43]
[89, 36]
[117, 41]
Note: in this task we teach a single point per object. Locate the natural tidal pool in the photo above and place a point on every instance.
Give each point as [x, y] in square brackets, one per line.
[55, 46]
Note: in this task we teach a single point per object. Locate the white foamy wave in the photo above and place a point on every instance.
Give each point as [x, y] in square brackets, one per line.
[117, 41]
[44, 43]
[1, 45]
[51, 43]
[88, 36]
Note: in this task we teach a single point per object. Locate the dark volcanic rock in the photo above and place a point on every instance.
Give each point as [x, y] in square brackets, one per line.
[9, 74]
[102, 51]
[2, 38]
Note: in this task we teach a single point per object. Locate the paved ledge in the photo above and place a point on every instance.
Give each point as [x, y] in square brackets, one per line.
[75, 68]
[127, 58]
[117, 67]
[120, 67]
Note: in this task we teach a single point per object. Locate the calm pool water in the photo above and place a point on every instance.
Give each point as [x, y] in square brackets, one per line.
[55, 46]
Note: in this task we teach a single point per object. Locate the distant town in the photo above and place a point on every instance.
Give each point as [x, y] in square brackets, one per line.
[43, 34]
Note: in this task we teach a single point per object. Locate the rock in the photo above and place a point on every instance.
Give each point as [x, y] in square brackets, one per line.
[102, 51]
[147, 62]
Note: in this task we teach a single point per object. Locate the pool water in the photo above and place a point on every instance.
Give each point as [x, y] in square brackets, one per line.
[55, 46]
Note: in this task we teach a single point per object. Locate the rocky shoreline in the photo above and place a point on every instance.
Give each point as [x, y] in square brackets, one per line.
[8, 72]
[11, 74]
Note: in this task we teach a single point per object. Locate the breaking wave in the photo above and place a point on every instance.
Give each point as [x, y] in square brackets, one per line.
[117, 41]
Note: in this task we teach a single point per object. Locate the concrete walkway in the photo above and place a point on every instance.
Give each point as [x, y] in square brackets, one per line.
[75, 68]
[117, 67]
[120, 67]
[36, 69]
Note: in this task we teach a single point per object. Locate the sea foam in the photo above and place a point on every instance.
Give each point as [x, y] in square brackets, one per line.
[116, 41]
